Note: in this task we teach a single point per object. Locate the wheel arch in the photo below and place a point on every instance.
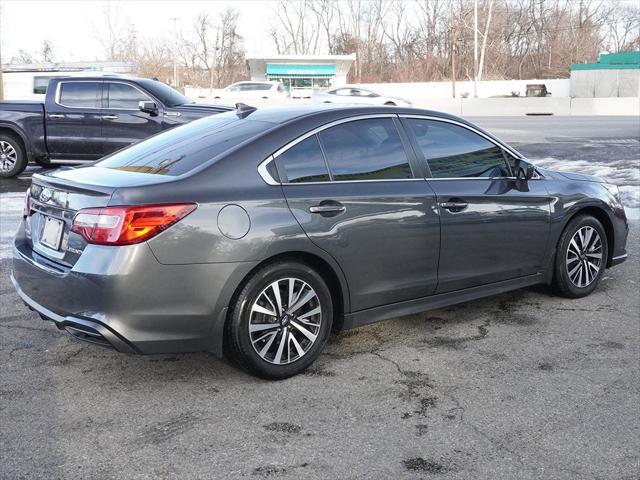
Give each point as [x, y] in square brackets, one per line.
[334, 280]
[14, 132]
[331, 274]
[603, 217]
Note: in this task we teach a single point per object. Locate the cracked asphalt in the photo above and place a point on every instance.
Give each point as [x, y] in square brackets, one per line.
[523, 385]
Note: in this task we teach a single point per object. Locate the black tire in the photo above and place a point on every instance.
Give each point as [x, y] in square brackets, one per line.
[391, 104]
[562, 283]
[238, 343]
[20, 156]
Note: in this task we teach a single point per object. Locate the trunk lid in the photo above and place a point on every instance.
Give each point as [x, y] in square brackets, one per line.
[54, 200]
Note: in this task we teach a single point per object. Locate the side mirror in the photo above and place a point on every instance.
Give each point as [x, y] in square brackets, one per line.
[148, 107]
[526, 171]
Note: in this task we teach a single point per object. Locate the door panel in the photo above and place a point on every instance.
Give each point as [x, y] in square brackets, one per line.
[501, 234]
[74, 121]
[493, 227]
[123, 122]
[386, 240]
[352, 189]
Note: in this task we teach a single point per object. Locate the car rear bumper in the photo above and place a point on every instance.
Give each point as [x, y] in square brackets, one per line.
[82, 329]
[122, 297]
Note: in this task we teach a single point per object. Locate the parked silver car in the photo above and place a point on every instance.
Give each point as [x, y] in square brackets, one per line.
[359, 95]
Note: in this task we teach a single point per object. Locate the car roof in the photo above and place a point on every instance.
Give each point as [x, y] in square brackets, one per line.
[106, 76]
[290, 113]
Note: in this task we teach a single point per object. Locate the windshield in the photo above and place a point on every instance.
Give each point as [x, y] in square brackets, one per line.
[182, 149]
[166, 94]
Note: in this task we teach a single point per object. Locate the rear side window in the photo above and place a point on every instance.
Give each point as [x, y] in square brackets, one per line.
[452, 151]
[40, 85]
[304, 162]
[368, 149]
[185, 148]
[124, 96]
[81, 94]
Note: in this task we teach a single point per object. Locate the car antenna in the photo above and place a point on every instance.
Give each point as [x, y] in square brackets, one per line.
[243, 110]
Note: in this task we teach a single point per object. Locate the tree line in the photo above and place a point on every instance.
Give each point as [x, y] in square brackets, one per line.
[394, 40]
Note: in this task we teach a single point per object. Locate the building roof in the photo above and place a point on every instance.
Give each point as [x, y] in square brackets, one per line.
[612, 61]
[120, 67]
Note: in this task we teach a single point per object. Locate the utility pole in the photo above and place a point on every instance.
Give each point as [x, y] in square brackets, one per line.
[475, 49]
[453, 53]
[1, 81]
[176, 73]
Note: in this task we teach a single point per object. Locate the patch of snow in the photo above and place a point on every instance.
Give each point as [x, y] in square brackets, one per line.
[10, 215]
[623, 173]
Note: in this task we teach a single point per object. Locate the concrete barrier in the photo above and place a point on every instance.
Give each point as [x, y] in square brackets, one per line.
[606, 106]
[518, 106]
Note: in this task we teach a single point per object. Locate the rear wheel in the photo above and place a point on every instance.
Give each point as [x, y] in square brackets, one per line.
[391, 104]
[280, 320]
[13, 159]
[581, 257]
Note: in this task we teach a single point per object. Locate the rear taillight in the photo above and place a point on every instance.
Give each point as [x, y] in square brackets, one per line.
[26, 209]
[127, 225]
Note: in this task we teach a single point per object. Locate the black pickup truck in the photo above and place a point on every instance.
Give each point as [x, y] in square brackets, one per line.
[86, 118]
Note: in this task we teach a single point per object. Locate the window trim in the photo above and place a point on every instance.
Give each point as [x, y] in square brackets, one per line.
[262, 168]
[59, 93]
[499, 144]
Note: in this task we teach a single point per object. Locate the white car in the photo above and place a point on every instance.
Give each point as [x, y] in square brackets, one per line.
[251, 91]
[349, 94]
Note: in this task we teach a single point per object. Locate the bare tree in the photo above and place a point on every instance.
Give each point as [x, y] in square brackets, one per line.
[294, 31]
[110, 29]
[46, 51]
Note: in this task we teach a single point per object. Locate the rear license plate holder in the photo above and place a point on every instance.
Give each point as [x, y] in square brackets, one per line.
[52, 233]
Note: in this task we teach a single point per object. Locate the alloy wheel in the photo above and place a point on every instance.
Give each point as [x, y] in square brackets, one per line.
[8, 156]
[584, 256]
[285, 321]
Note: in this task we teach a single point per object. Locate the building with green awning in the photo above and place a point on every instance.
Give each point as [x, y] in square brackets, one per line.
[614, 75]
[301, 74]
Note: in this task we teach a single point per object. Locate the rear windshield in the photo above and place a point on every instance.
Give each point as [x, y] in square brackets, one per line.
[184, 148]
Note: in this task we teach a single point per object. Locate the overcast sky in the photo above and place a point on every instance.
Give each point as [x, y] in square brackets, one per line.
[71, 25]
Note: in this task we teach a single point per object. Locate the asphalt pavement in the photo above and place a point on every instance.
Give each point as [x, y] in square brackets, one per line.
[523, 385]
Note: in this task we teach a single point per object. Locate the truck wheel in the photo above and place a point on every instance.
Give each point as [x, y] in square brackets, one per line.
[13, 159]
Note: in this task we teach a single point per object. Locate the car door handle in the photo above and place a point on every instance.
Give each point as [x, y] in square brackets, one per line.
[110, 117]
[454, 206]
[331, 208]
[56, 115]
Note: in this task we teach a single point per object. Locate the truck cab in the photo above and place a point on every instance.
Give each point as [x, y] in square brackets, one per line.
[85, 118]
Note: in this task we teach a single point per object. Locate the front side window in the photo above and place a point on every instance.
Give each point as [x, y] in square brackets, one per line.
[368, 149]
[304, 162]
[452, 151]
[81, 94]
[124, 96]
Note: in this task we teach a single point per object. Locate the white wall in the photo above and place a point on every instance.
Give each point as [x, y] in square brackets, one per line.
[605, 83]
[489, 88]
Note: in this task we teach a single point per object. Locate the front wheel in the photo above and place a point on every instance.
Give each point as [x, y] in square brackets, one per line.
[13, 159]
[581, 257]
[280, 320]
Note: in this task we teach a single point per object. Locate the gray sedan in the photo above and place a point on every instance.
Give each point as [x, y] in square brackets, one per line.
[255, 233]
